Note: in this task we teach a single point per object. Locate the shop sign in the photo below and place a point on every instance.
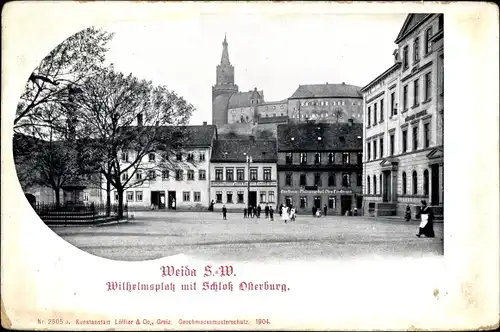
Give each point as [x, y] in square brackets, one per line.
[315, 192]
[416, 115]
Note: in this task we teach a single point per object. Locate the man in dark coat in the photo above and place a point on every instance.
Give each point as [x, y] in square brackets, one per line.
[266, 210]
[224, 212]
[245, 211]
[271, 213]
[325, 209]
[259, 210]
[314, 209]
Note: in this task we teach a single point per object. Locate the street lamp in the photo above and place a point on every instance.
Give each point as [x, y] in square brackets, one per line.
[249, 160]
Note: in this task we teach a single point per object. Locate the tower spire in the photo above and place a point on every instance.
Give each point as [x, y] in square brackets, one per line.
[225, 54]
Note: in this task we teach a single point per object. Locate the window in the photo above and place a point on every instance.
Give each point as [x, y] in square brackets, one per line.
[202, 156]
[151, 156]
[381, 110]
[267, 174]
[218, 196]
[331, 179]
[369, 116]
[130, 196]
[289, 158]
[164, 156]
[302, 179]
[368, 150]
[317, 179]
[374, 185]
[165, 175]
[416, 49]
[151, 175]
[125, 156]
[331, 158]
[405, 97]
[346, 180]
[229, 174]
[428, 82]
[218, 174]
[416, 96]
[124, 177]
[346, 158]
[190, 156]
[186, 196]
[202, 174]
[428, 43]
[359, 179]
[414, 182]
[288, 179]
[391, 145]
[262, 196]
[240, 196]
[426, 183]
[253, 174]
[427, 136]
[394, 110]
[138, 175]
[405, 140]
[190, 174]
[270, 197]
[360, 158]
[240, 174]
[375, 114]
[368, 184]
[331, 202]
[138, 196]
[303, 202]
[303, 158]
[375, 149]
[381, 147]
[197, 196]
[179, 174]
[403, 182]
[415, 138]
[380, 178]
[178, 156]
[229, 197]
[317, 158]
[440, 22]
[405, 57]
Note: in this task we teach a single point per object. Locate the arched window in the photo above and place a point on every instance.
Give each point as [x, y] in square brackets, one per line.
[368, 184]
[374, 185]
[426, 183]
[414, 182]
[403, 182]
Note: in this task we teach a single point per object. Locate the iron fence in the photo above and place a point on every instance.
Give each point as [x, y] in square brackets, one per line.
[78, 213]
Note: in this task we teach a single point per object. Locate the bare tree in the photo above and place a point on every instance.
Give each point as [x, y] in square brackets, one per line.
[109, 106]
[338, 113]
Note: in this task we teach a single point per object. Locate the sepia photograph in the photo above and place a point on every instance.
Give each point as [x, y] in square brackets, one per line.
[250, 159]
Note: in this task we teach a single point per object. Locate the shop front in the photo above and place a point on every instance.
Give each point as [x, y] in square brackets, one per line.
[337, 201]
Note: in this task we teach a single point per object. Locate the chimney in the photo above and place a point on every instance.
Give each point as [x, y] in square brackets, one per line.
[350, 121]
[139, 120]
[204, 123]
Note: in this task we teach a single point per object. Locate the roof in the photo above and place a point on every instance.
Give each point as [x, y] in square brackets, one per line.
[382, 76]
[327, 91]
[196, 136]
[334, 136]
[242, 99]
[284, 101]
[234, 150]
[411, 22]
[273, 119]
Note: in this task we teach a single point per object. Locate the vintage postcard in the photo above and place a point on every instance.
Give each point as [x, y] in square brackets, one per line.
[249, 166]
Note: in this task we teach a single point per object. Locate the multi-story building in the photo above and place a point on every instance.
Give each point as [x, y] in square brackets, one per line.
[183, 183]
[320, 164]
[403, 123]
[330, 103]
[243, 173]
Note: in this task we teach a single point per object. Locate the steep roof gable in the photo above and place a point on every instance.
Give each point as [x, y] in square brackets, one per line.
[236, 150]
[411, 22]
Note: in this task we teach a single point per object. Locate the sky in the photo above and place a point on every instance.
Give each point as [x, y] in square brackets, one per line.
[273, 53]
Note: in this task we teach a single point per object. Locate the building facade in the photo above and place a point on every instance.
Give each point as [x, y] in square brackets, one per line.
[329, 103]
[243, 173]
[320, 164]
[403, 124]
[174, 181]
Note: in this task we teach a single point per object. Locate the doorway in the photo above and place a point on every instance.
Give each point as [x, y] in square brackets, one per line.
[158, 199]
[252, 198]
[172, 200]
[386, 186]
[435, 184]
[317, 202]
[345, 203]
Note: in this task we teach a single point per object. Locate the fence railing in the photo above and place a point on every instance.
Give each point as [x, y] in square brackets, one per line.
[78, 212]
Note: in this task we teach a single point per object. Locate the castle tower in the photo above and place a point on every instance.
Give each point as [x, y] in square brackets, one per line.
[224, 87]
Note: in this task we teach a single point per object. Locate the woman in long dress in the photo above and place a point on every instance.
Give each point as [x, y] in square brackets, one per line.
[427, 224]
[284, 214]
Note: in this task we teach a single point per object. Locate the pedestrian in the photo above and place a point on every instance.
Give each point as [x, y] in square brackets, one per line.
[259, 210]
[284, 214]
[314, 209]
[224, 212]
[355, 211]
[271, 213]
[211, 207]
[426, 226]
[266, 210]
[292, 213]
[325, 209]
[245, 211]
[408, 213]
[280, 209]
[252, 211]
